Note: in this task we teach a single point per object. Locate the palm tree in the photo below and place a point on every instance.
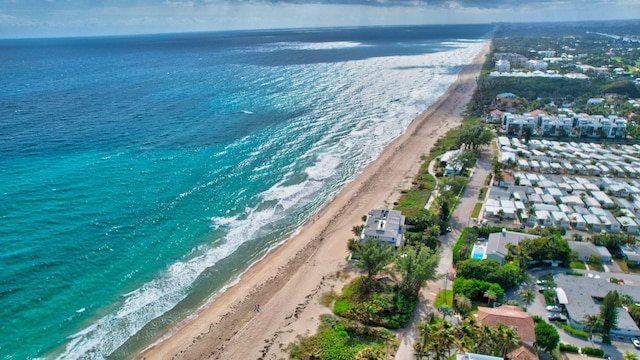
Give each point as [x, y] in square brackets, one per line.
[528, 296]
[467, 335]
[592, 322]
[485, 340]
[463, 304]
[506, 338]
[490, 295]
[423, 347]
[630, 356]
[445, 310]
[443, 339]
[374, 256]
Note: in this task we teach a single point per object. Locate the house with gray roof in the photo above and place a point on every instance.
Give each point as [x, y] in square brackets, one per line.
[497, 244]
[586, 249]
[386, 225]
[583, 296]
[631, 253]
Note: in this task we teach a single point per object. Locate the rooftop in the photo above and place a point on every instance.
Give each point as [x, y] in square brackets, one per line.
[512, 316]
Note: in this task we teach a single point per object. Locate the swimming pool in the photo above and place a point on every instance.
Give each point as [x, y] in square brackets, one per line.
[478, 252]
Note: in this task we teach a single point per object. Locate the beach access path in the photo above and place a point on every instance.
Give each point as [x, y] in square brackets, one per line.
[287, 282]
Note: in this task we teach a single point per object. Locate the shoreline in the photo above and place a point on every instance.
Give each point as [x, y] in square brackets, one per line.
[288, 280]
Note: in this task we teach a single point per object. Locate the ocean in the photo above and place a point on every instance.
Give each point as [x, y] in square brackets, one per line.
[141, 175]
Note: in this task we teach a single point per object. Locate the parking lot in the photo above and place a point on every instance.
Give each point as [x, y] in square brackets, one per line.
[618, 345]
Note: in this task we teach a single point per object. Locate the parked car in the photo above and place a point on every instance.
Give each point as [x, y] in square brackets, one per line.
[557, 317]
[541, 289]
[540, 282]
[449, 229]
[636, 343]
[554, 308]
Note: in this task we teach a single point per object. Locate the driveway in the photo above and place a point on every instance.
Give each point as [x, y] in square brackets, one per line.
[460, 219]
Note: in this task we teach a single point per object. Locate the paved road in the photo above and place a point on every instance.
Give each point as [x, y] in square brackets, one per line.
[460, 219]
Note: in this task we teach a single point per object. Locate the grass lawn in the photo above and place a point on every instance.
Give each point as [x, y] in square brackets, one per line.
[444, 297]
[487, 180]
[483, 193]
[578, 265]
[622, 264]
[413, 201]
[476, 210]
[596, 267]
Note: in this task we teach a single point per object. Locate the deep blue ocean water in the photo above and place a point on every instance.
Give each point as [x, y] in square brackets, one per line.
[140, 175]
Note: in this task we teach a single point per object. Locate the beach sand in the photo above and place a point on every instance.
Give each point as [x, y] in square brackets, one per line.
[288, 282]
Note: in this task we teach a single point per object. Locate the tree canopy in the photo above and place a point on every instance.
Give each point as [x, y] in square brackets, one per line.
[374, 256]
[547, 337]
[417, 266]
[609, 311]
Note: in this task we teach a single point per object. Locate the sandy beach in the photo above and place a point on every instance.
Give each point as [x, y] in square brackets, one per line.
[288, 282]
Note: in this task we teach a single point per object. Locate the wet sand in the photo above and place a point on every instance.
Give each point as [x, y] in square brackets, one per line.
[288, 282]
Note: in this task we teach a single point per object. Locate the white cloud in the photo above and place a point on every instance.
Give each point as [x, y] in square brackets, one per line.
[102, 17]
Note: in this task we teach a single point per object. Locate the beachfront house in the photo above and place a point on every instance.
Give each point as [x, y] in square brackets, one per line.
[386, 225]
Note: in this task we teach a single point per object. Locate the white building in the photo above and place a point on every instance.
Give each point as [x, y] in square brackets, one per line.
[503, 66]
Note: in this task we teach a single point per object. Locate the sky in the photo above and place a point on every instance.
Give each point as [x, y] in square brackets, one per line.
[54, 18]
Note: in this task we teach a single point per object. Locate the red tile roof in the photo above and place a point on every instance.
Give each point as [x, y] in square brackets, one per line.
[524, 352]
[511, 316]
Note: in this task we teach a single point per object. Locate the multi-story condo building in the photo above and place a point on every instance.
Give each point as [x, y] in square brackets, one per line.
[581, 125]
[503, 66]
[516, 60]
[555, 126]
[515, 124]
[537, 65]
[598, 126]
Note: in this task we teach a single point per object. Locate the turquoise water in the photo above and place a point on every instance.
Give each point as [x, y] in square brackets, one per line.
[140, 175]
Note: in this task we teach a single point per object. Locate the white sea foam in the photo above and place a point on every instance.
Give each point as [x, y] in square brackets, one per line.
[393, 88]
[159, 296]
[316, 45]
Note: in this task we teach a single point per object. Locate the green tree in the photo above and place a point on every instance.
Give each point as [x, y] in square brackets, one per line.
[417, 267]
[353, 245]
[463, 304]
[443, 339]
[609, 311]
[528, 296]
[423, 347]
[527, 132]
[474, 136]
[374, 256]
[445, 310]
[497, 170]
[630, 356]
[547, 336]
[357, 230]
[595, 260]
[592, 322]
[507, 339]
[466, 159]
[490, 295]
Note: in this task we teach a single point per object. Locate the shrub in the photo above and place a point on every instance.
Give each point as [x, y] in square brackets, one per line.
[569, 348]
[536, 318]
[328, 297]
[574, 332]
[592, 351]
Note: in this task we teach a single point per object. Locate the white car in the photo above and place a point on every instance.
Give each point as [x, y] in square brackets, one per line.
[554, 308]
[636, 343]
